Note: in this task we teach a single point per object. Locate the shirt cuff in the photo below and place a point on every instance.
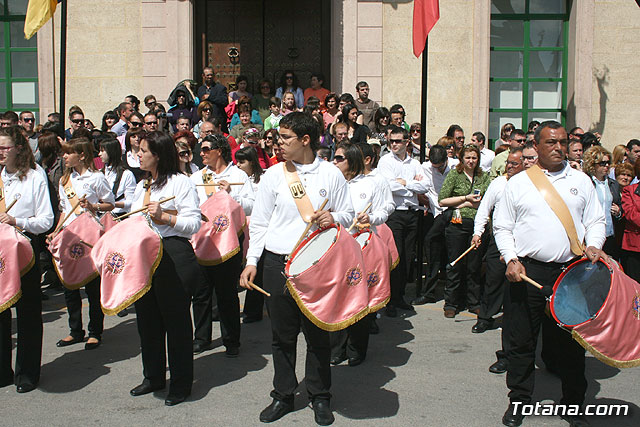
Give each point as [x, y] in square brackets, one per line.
[252, 261]
[21, 223]
[509, 256]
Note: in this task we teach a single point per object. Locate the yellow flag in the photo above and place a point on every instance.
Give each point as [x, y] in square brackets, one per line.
[38, 13]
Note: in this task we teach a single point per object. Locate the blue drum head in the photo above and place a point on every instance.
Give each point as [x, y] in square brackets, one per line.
[581, 292]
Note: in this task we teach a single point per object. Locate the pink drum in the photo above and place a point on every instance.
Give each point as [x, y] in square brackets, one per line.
[386, 235]
[16, 259]
[108, 221]
[326, 277]
[375, 255]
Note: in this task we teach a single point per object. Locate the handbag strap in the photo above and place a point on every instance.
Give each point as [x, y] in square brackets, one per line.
[557, 205]
[300, 196]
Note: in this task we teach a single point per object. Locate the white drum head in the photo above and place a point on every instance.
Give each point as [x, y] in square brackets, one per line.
[363, 238]
[312, 251]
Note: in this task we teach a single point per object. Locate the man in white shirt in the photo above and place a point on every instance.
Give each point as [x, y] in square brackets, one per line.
[126, 110]
[435, 171]
[405, 177]
[533, 242]
[486, 155]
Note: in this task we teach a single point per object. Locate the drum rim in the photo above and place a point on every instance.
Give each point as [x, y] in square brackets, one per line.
[307, 240]
[364, 230]
[555, 287]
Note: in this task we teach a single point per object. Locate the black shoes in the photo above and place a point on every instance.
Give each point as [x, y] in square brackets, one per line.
[374, 329]
[275, 411]
[25, 388]
[500, 367]
[338, 359]
[232, 352]
[355, 361]
[175, 399]
[145, 388]
[576, 420]
[403, 305]
[423, 299]
[391, 311]
[65, 343]
[322, 412]
[92, 345]
[199, 347]
[481, 327]
[512, 418]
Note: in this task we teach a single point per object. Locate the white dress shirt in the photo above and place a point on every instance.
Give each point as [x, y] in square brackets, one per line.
[243, 194]
[486, 158]
[126, 188]
[276, 223]
[365, 189]
[525, 226]
[186, 202]
[434, 180]
[32, 211]
[91, 184]
[404, 196]
[491, 197]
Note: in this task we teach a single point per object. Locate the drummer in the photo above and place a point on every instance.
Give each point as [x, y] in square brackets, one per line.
[121, 180]
[275, 227]
[223, 277]
[32, 212]
[533, 241]
[164, 312]
[81, 181]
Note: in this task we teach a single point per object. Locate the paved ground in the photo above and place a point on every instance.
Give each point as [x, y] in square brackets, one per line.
[422, 369]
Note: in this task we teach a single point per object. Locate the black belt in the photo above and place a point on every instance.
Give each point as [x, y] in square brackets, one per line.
[282, 258]
[548, 264]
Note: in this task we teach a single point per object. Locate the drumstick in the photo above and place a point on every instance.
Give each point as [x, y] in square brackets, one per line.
[355, 219]
[15, 200]
[66, 217]
[308, 227]
[259, 289]
[87, 244]
[142, 209]
[461, 256]
[217, 183]
[531, 281]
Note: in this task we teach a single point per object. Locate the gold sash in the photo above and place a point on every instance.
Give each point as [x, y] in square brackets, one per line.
[557, 205]
[72, 196]
[3, 205]
[300, 197]
[207, 180]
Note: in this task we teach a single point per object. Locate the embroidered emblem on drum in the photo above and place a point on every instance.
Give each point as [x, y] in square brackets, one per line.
[635, 309]
[323, 192]
[363, 196]
[115, 262]
[77, 251]
[353, 276]
[373, 279]
[574, 191]
[2, 265]
[221, 223]
[297, 190]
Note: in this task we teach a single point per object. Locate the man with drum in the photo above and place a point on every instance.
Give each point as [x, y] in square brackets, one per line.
[535, 242]
[276, 224]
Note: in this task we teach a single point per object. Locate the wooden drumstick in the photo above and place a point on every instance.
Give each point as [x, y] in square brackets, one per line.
[355, 219]
[530, 281]
[142, 209]
[15, 200]
[217, 183]
[308, 227]
[259, 289]
[462, 256]
[86, 244]
[66, 217]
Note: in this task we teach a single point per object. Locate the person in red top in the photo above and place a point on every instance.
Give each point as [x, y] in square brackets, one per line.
[251, 138]
[316, 89]
[631, 236]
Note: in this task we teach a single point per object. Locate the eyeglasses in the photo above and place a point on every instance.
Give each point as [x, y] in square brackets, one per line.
[289, 77]
[265, 87]
[184, 153]
[396, 141]
[269, 138]
[415, 131]
[604, 163]
[77, 121]
[206, 132]
[338, 159]
[29, 119]
[155, 122]
[136, 124]
[206, 109]
[529, 157]
[459, 138]
[206, 149]
[521, 140]
[449, 146]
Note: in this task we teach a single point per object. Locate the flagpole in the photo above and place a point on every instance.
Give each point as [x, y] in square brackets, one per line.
[423, 138]
[63, 59]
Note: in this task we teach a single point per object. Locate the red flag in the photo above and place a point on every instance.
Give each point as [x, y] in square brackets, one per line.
[425, 15]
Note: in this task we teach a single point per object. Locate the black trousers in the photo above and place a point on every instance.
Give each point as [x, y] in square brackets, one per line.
[493, 292]
[465, 272]
[74, 307]
[286, 322]
[436, 243]
[631, 264]
[404, 225]
[353, 341]
[29, 322]
[525, 310]
[224, 279]
[164, 311]
[254, 300]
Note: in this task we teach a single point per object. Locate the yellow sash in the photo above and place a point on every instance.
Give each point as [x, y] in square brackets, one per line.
[3, 206]
[300, 197]
[207, 180]
[72, 196]
[557, 205]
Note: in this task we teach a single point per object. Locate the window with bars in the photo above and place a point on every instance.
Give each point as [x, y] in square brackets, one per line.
[18, 60]
[528, 71]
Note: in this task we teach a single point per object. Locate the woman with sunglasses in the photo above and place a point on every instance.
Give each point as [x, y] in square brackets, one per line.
[185, 143]
[205, 109]
[163, 314]
[251, 138]
[223, 277]
[596, 162]
[461, 192]
[270, 138]
[33, 214]
[289, 83]
[260, 102]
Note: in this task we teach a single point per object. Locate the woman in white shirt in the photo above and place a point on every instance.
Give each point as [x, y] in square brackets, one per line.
[32, 213]
[130, 157]
[94, 193]
[163, 313]
[121, 180]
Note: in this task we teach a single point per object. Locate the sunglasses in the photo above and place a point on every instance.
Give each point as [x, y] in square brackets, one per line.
[136, 124]
[265, 87]
[77, 121]
[396, 141]
[155, 122]
[206, 149]
[184, 153]
[605, 163]
[269, 138]
[29, 119]
[460, 138]
[206, 109]
[289, 77]
[338, 159]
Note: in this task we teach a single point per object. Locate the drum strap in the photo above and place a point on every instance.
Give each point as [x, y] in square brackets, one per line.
[300, 196]
[147, 200]
[557, 205]
[207, 180]
[3, 205]
[72, 196]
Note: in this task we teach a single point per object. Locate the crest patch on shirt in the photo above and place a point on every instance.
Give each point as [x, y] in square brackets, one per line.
[86, 186]
[363, 196]
[323, 192]
[574, 191]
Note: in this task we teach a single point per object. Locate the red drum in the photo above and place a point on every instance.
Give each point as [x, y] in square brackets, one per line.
[217, 240]
[16, 259]
[326, 277]
[386, 235]
[126, 257]
[600, 305]
[375, 255]
[71, 249]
